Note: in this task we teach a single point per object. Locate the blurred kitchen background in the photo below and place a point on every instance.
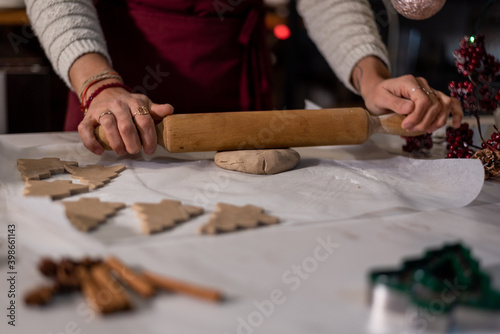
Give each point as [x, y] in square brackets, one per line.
[33, 98]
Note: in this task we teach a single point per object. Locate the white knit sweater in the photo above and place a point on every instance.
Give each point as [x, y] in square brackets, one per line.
[344, 31]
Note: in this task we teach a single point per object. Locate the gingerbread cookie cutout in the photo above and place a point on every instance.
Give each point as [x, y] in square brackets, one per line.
[95, 176]
[37, 169]
[88, 213]
[267, 161]
[56, 190]
[228, 218]
[164, 215]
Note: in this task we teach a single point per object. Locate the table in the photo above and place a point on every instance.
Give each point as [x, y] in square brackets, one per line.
[344, 210]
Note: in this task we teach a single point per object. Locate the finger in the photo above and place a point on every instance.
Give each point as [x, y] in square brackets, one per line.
[442, 118]
[86, 131]
[386, 101]
[431, 116]
[146, 127]
[160, 111]
[434, 112]
[456, 113]
[126, 127]
[108, 123]
[409, 88]
[426, 107]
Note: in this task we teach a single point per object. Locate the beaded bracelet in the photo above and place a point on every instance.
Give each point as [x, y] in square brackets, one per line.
[85, 107]
[96, 78]
[104, 77]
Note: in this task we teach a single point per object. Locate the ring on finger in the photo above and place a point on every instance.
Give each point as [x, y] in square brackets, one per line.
[142, 110]
[414, 89]
[429, 92]
[109, 112]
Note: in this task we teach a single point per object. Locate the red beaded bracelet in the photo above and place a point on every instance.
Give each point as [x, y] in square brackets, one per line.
[85, 108]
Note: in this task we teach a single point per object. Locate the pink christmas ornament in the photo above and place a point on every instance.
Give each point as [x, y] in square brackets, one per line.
[418, 9]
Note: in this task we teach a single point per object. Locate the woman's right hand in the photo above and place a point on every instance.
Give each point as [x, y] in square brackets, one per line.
[122, 116]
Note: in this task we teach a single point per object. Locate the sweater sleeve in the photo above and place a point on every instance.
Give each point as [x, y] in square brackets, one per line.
[345, 32]
[66, 29]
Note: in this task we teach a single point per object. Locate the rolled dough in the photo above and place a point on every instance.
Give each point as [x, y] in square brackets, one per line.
[229, 218]
[37, 169]
[88, 213]
[56, 190]
[95, 176]
[266, 161]
[156, 217]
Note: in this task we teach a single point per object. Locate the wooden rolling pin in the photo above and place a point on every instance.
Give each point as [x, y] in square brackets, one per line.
[228, 131]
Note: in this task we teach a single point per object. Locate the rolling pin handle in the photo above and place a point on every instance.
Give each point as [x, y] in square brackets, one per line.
[390, 124]
[101, 138]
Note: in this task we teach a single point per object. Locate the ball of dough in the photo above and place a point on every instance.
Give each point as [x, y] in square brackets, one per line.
[267, 161]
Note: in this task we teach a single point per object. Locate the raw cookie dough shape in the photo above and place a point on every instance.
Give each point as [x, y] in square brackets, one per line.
[95, 176]
[56, 190]
[228, 218]
[266, 161]
[37, 169]
[88, 213]
[164, 215]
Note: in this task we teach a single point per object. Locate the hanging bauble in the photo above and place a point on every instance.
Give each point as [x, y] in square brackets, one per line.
[418, 9]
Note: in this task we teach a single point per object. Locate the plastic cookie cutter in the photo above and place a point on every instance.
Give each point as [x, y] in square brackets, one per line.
[443, 291]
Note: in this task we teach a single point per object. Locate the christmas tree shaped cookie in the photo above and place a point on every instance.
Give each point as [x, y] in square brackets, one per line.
[56, 190]
[95, 176]
[37, 169]
[88, 213]
[228, 218]
[164, 215]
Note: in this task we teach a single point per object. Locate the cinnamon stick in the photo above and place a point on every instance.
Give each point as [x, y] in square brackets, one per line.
[137, 282]
[91, 291]
[119, 297]
[183, 287]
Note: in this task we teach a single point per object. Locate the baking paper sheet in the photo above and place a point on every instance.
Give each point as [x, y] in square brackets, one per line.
[318, 189]
[338, 196]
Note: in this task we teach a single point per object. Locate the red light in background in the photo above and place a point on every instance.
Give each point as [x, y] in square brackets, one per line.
[281, 31]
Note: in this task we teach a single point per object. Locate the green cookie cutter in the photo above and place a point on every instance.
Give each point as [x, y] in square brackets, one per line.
[447, 274]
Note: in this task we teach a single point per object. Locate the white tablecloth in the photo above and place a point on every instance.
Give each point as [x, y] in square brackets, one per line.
[343, 210]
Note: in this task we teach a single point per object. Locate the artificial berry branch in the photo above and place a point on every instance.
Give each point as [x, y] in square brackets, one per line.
[479, 94]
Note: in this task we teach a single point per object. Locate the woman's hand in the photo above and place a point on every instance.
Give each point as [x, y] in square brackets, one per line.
[127, 120]
[426, 109]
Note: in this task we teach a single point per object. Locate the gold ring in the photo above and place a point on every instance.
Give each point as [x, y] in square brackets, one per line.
[103, 114]
[141, 111]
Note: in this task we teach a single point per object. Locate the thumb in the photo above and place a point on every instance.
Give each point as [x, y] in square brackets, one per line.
[160, 111]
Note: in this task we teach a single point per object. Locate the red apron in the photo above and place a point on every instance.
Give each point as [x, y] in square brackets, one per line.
[198, 55]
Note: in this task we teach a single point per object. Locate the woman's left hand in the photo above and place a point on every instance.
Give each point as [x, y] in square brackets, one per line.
[426, 108]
